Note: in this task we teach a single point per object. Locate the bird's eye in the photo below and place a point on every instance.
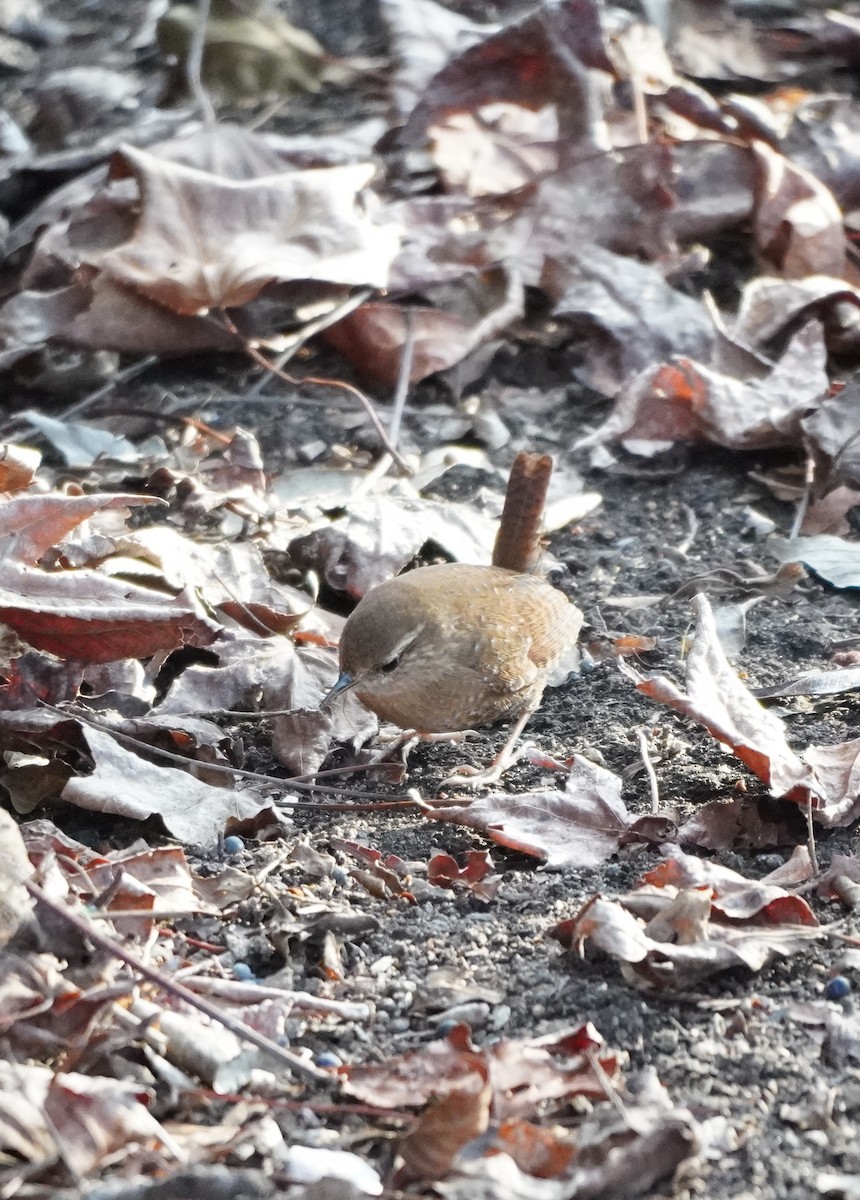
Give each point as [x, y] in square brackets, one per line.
[391, 665]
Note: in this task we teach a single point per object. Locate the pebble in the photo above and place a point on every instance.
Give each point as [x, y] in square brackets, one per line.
[666, 1040]
[328, 1058]
[445, 1027]
[473, 1013]
[837, 988]
[233, 844]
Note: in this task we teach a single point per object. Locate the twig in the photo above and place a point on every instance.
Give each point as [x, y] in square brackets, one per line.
[392, 1115]
[684, 545]
[191, 765]
[305, 333]
[262, 361]
[803, 503]
[271, 110]
[146, 914]
[80, 407]
[194, 64]
[649, 771]
[237, 991]
[85, 928]
[609, 1088]
[404, 376]
[810, 837]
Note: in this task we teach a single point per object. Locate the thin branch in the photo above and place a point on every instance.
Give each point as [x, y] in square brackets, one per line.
[84, 927]
[803, 505]
[191, 765]
[810, 837]
[305, 333]
[123, 376]
[404, 376]
[649, 771]
[367, 405]
[194, 64]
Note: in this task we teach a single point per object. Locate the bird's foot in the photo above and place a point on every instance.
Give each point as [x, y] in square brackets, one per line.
[406, 740]
[475, 777]
[458, 735]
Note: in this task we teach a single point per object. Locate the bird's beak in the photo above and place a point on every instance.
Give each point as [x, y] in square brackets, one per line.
[344, 681]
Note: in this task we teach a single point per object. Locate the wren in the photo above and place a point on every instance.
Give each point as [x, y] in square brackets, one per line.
[446, 648]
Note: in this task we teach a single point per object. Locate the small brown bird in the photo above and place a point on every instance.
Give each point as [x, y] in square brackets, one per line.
[446, 648]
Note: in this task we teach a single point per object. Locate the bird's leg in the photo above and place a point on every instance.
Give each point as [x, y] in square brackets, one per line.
[475, 777]
[407, 739]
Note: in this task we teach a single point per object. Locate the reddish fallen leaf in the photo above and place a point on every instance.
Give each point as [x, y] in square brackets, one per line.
[87, 616]
[384, 877]
[732, 896]
[443, 871]
[580, 826]
[823, 776]
[617, 1152]
[32, 677]
[538, 1152]
[798, 224]
[531, 62]
[429, 1149]
[43, 1013]
[688, 401]
[374, 336]
[687, 936]
[83, 1118]
[523, 1072]
[18, 466]
[633, 643]
[31, 525]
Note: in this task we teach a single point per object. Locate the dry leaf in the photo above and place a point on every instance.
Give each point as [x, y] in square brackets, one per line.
[688, 937]
[204, 241]
[18, 466]
[628, 313]
[798, 223]
[523, 1072]
[15, 867]
[429, 1149]
[688, 401]
[581, 826]
[87, 616]
[374, 336]
[31, 525]
[827, 777]
[83, 1118]
[124, 783]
